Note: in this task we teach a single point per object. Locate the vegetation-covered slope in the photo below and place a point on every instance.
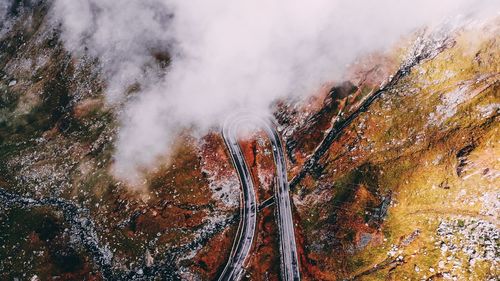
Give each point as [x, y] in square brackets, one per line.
[407, 189]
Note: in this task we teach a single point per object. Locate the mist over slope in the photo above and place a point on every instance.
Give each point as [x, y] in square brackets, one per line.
[402, 186]
[189, 64]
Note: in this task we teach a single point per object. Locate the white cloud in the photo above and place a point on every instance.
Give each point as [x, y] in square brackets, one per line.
[228, 55]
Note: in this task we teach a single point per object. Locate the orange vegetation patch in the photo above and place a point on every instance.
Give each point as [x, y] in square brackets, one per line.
[157, 220]
[215, 158]
[179, 201]
[311, 133]
[182, 182]
[249, 149]
[265, 257]
[308, 268]
[352, 219]
[263, 167]
[210, 261]
[86, 107]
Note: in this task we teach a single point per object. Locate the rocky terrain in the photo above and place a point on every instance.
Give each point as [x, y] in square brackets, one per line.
[394, 171]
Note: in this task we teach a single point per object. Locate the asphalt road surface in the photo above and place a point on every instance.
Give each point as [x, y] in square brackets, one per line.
[288, 249]
[248, 212]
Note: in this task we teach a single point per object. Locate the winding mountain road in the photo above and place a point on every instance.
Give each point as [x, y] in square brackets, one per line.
[246, 230]
[248, 211]
[288, 248]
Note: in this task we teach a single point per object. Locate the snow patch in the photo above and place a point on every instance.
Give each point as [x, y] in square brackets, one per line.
[223, 189]
[448, 108]
[489, 109]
